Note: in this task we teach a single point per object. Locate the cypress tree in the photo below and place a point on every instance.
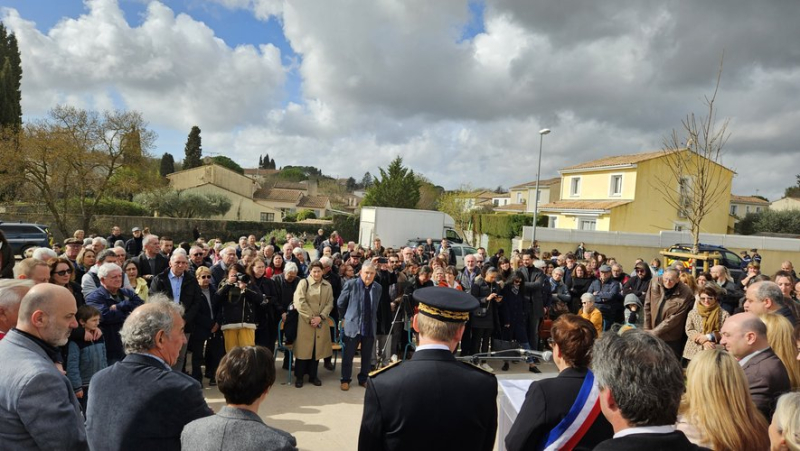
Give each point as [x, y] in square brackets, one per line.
[167, 164]
[193, 150]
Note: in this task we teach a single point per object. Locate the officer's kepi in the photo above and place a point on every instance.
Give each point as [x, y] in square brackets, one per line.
[445, 304]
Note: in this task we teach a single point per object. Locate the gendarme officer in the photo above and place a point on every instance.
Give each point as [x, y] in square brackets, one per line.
[433, 401]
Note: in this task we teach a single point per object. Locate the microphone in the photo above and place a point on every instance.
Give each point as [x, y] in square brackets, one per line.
[545, 356]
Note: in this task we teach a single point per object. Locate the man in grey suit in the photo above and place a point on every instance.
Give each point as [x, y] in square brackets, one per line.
[245, 376]
[140, 403]
[38, 408]
[745, 337]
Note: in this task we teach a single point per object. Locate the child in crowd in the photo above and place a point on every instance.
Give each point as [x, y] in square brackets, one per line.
[86, 357]
[633, 311]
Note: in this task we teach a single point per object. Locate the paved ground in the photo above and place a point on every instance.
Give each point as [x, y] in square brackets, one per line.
[326, 418]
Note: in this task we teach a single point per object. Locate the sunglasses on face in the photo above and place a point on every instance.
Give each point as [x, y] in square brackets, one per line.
[63, 272]
[199, 254]
[205, 277]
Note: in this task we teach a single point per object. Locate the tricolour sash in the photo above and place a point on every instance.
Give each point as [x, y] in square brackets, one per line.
[579, 419]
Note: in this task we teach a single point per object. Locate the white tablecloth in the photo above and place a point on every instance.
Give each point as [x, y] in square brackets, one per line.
[512, 395]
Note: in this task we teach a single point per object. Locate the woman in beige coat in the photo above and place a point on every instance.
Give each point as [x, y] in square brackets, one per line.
[314, 301]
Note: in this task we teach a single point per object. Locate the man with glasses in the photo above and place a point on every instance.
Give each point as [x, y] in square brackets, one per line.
[197, 259]
[666, 306]
[182, 288]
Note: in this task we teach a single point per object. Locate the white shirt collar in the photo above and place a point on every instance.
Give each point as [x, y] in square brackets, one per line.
[750, 356]
[645, 430]
[432, 346]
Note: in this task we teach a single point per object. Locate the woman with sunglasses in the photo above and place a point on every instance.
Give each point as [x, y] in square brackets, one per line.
[704, 322]
[512, 316]
[214, 345]
[138, 284]
[62, 273]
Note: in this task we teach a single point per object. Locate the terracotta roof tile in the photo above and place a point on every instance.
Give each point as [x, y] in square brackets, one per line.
[278, 194]
[748, 199]
[545, 182]
[617, 160]
[313, 202]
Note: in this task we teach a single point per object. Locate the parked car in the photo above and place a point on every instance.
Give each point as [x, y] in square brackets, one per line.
[23, 236]
[461, 250]
[729, 258]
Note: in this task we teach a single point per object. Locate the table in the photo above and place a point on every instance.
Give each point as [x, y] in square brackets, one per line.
[512, 395]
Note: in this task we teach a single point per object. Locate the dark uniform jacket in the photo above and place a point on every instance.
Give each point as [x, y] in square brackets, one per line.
[547, 403]
[192, 299]
[673, 441]
[431, 402]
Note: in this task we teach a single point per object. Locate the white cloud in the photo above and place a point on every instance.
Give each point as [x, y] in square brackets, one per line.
[383, 78]
[172, 68]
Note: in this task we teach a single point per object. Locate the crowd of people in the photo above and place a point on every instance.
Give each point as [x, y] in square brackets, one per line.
[132, 309]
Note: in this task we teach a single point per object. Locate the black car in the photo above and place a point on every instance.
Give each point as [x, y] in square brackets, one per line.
[22, 236]
[729, 258]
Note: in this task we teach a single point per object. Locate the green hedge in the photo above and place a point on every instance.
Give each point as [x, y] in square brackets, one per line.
[501, 226]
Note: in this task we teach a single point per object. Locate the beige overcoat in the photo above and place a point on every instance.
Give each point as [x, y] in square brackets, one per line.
[313, 299]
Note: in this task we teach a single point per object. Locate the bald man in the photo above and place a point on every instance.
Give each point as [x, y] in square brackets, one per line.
[11, 294]
[745, 337]
[38, 408]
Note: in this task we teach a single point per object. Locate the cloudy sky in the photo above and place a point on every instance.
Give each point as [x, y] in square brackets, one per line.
[458, 88]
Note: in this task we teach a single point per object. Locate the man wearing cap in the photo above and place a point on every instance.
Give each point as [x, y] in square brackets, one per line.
[72, 247]
[433, 401]
[607, 293]
[134, 245]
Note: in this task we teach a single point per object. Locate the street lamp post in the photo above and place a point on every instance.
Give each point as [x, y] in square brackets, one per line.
[542, 132]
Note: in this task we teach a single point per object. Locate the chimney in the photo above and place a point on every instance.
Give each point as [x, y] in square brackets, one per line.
[312, 187]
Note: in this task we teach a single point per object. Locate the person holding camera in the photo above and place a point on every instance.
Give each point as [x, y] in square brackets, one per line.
[237, 311]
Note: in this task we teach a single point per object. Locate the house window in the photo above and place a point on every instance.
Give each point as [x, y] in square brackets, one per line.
[551, 222]
[734, 210]
[519, 198]
[587, 224]
[496, 202]
[616, 185]
[747, 209]
[575, 186]
[758, 209]
[267, 217]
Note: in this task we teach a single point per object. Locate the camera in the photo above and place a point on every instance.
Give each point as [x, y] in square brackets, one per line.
[383, 260]
[241, 277]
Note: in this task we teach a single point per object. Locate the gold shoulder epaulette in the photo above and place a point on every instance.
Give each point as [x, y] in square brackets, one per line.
[380, 370]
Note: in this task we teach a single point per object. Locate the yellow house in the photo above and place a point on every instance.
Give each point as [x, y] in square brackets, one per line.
[522, 196]
[741, 206]
[249, 201]
[786, 203]
[624, 194]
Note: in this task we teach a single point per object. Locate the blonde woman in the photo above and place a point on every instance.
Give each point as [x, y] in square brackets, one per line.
[688, 279]
[717, 411]
[704, 322]
[784, 432]
[779, 336]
